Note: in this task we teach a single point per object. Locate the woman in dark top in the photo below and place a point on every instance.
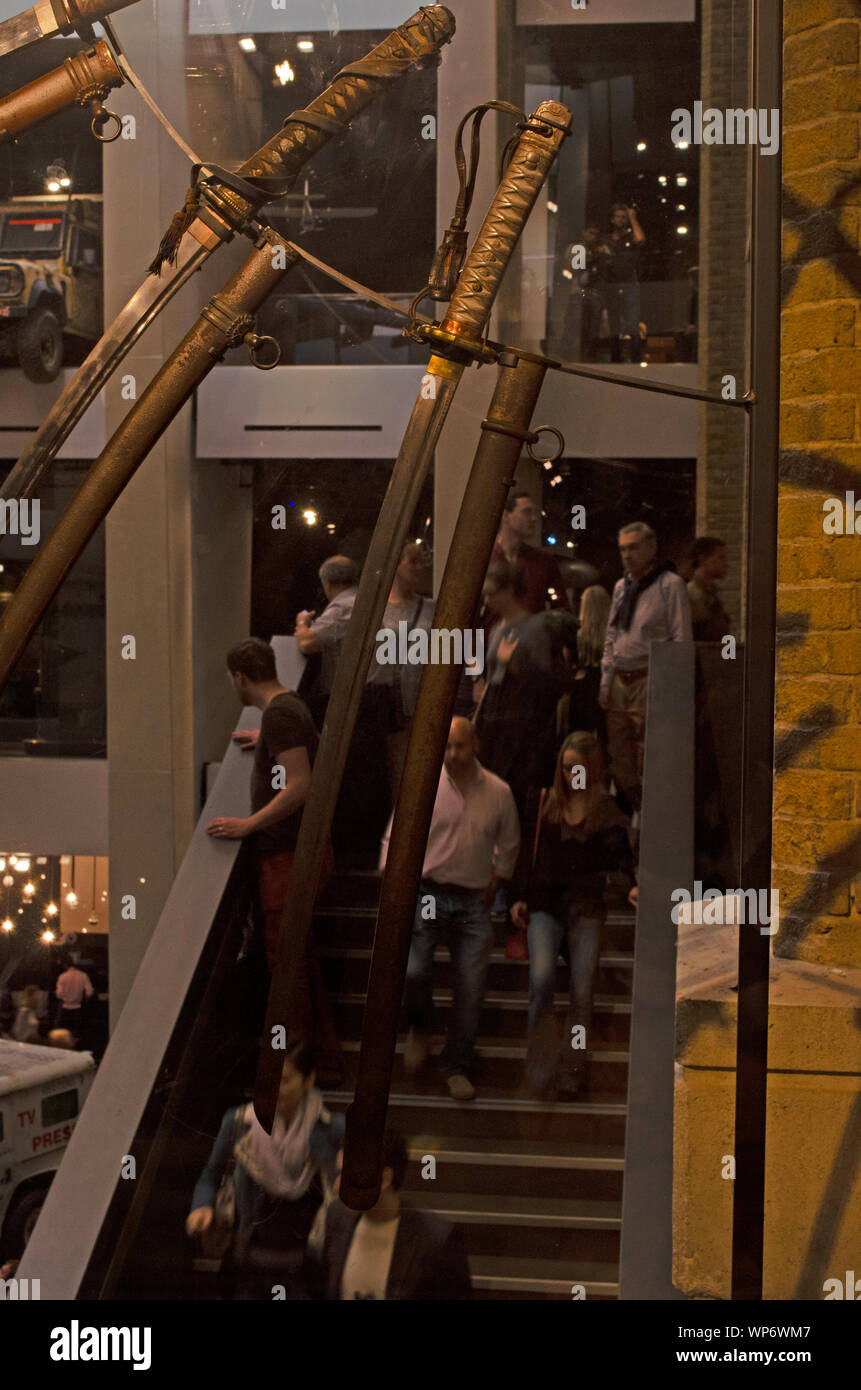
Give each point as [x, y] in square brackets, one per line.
[280, 1180]
[574, 834]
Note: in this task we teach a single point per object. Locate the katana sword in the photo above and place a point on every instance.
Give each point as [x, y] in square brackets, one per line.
[456, 342]
[85, 78]
[225, 322]
[226, 210]
[51, 17]
[503, 434]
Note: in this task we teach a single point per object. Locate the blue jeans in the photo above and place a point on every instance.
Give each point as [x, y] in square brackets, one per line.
[546, 934]
[465, 917]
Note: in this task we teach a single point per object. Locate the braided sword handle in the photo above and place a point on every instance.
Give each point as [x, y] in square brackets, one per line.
[522, 181]
[354, 88]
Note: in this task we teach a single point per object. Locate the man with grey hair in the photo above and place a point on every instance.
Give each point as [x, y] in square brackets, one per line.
[339, 576]
[650, 604]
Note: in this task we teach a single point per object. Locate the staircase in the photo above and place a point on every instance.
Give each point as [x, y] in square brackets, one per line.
[535, 1186]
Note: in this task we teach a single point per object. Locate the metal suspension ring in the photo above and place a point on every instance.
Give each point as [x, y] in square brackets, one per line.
[550, 458]
[100, 119]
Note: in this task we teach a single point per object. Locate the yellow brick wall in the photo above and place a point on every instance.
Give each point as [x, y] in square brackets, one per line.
[817, 806]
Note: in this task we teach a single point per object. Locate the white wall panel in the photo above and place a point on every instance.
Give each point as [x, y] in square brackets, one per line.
[24, 405]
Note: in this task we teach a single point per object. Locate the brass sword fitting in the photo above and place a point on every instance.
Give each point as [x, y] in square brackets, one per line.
[453, 345]
[87, 76]
[233, 327]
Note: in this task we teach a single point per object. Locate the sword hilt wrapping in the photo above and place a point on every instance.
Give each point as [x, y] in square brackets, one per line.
[491, 251]
[282, 157]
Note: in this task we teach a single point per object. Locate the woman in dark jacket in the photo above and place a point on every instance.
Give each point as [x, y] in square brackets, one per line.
[280, 1180]
[574, 835]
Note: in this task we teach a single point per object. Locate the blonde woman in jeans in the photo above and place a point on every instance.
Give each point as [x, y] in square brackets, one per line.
[573, 835]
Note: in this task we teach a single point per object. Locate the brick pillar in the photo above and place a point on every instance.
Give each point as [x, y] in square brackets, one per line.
[817, 826]
[723, 301]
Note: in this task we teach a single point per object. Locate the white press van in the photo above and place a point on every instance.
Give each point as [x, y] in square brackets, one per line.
[42, 1090]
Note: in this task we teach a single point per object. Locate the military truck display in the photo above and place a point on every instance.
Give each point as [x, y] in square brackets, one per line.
[50, 281]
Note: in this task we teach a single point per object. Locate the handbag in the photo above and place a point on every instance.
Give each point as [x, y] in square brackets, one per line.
[217, 1238]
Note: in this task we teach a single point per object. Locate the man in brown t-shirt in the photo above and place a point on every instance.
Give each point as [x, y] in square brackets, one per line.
[284, 754]
[545, 587]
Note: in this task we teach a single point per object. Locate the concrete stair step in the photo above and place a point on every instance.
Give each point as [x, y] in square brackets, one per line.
[469, 1209]
[496, 1117]
[515, 1168]
[503, 1017]
[549, 1228]
[499, 1065]
[501, 1278]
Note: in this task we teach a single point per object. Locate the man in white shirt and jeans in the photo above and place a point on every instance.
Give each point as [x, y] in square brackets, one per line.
[472, 846]
[650, 604]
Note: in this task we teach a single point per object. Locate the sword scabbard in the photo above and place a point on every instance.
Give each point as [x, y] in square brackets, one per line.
[90, 73]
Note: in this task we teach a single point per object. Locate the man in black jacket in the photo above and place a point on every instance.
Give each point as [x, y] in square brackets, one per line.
[391, 1252]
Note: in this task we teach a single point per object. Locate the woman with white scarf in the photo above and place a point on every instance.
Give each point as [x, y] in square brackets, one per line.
[280, 1181]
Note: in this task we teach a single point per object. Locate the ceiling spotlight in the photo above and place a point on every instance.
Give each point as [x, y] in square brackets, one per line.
[681, 231]
[662, 180]
[682, 144]
[8, 880]
[57, 177]
[7, 924]
[309, 516]
[284, 73]
[641, 145]
[13, 860]
[681, 207]
[681, 180]
[305, 45]
[2, 865]
[52, 909]
[48, 936]
[22, 866]
[248, 45]
[71, 898]
[29, 889]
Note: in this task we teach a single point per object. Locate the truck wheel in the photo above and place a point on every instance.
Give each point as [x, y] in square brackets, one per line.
[20, 1222]
[40, 345]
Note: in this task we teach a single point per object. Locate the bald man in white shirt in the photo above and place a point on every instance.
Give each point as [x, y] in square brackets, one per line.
[472, 846]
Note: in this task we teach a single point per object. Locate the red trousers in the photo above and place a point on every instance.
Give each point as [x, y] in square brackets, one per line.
[313, 1019]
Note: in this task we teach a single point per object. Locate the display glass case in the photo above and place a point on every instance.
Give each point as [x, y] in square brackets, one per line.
[216, 476]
